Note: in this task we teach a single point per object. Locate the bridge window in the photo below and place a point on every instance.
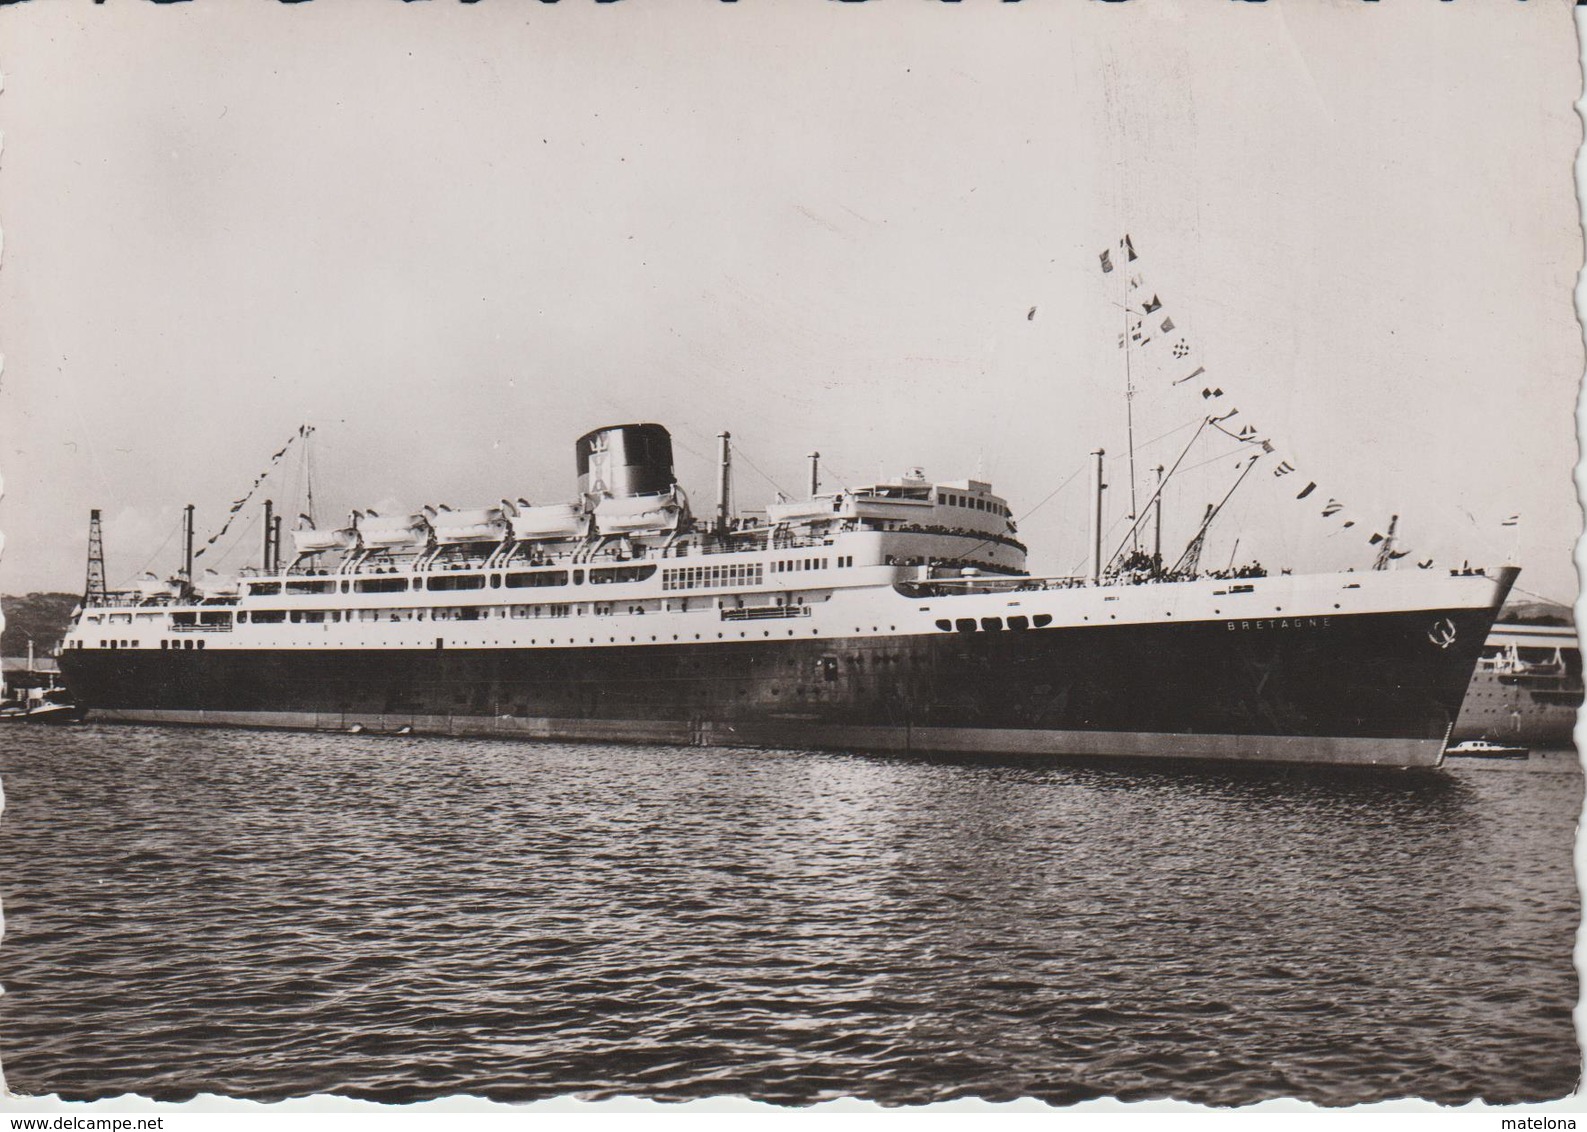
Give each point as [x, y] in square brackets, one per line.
[965, 624]
[1042, 620]
[1018, 622]
[991, 624]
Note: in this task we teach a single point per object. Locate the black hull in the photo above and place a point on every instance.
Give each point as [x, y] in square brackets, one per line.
[1364, 688]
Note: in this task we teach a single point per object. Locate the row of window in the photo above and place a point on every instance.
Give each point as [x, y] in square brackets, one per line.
[597, 575]
[122, 618]
[993, 624]
[784, 565]
[443, 613]
[521, 612]
[202, 617]
[702, 577]
[221, 620]
[974, 503]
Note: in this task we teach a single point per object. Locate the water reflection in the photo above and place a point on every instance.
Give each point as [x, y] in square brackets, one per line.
[272, 915]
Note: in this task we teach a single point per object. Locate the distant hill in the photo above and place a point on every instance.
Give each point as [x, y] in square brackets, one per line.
[43, 615]
[1537, 613]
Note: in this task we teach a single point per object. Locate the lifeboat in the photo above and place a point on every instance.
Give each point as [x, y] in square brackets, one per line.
[637, 514]
[483, 524]
[804, 510]
[150, 587]
[552, 521]
[214, 585]
[390, 532]
[313, 541]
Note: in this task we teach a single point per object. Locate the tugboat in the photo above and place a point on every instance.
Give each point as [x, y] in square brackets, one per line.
[37, 698]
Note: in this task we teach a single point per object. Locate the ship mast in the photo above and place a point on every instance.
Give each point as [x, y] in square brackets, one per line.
[306, 432]
[1094, 575]
[187, 547]
[1190, 560]
[724, 481]
[1386, 547]
[94, 591]
[269, 531]
[1129, 397]
[1157, 525]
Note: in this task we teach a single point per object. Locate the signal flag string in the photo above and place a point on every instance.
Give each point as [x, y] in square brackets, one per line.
[303, 432]
[1147, 321]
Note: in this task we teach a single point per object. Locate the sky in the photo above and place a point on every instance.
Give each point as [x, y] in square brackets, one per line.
[455, 238]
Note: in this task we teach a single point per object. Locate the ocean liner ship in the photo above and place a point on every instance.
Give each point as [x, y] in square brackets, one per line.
[1527, 687]
[892, 617]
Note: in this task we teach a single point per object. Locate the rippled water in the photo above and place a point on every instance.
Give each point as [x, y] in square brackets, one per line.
[271, 915]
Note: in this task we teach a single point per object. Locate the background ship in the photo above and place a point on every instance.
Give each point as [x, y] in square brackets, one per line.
[1527, 687]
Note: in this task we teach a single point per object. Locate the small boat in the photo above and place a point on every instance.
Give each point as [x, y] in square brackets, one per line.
[54, 706]
[1482, 749]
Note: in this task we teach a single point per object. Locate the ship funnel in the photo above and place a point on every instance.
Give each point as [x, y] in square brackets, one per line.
[625, 460]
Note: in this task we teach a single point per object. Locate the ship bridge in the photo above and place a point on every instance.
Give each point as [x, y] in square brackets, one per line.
[926, 521]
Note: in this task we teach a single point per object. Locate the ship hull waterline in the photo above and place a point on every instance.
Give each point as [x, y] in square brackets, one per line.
[1376, 689]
